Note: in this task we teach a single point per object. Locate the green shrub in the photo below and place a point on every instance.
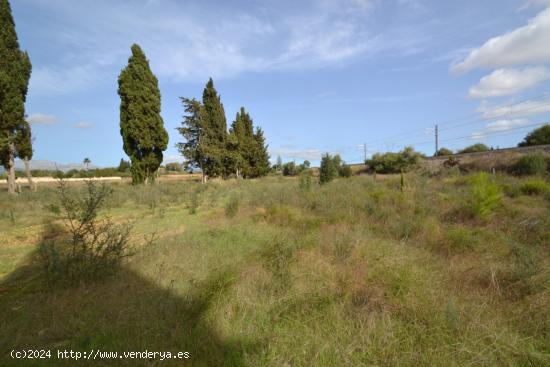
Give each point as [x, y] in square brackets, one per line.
[534, 187]
[328, 170]
[485, 193]
[475, 148]
[345, 171]
[391, 162]
[87, 248]
[538, 136]
[443, 152]
[289, 169]
[531, 164]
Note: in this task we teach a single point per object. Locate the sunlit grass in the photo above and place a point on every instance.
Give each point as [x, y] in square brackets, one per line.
[265, 272]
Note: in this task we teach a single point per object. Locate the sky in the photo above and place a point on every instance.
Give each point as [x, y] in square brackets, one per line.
[317, 75]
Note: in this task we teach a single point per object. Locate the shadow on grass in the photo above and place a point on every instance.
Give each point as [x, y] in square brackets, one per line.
[122, 313]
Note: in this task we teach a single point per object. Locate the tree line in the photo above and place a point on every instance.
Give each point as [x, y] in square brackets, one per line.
[240, 151]
[209, 146]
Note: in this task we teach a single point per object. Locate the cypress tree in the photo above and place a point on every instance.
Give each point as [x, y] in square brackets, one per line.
[23, 147]
[243, 143]
[15, 70]
[261, 156]
[251, 147]
[329, 168]
[214, 138]
[141, 125]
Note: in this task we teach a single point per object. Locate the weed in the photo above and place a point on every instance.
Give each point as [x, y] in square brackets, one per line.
[88, 248]
[534, 187]
[277, 257]
[531, 164]
[305, 180]
[232, 206]
[485, 195]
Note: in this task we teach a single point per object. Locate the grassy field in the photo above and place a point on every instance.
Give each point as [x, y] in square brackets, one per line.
[361, 271]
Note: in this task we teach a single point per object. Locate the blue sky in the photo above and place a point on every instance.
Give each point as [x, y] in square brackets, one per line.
[318, 76]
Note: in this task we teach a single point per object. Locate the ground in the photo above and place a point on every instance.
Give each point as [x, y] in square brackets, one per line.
[274, 272]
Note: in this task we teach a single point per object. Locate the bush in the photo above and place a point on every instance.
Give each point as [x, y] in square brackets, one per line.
[475, 148]
[443, 152]
[538, 136]
[391, 162]
[289, 169]
[345, 171]
[486, 195]
[531, 164]
[329, 169]
[534, 187]
[88, 248]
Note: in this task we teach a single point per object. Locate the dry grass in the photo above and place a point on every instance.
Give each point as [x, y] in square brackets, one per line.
[355, 272]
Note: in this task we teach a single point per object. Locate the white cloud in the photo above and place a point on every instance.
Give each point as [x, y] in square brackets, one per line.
[189, 42]
[522, 109]
[524, 45]
[83, 125]
[535, 3]
[47, 81]
[478, 135]
[506, 82]
[41, 119]
[504, 125]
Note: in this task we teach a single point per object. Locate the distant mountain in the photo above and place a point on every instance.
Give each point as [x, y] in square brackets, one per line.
[49, 165]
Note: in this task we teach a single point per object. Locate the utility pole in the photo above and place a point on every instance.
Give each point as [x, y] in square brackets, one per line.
[436, 140]
[365, 149]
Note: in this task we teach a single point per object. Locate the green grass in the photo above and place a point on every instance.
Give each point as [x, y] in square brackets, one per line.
[267, 273]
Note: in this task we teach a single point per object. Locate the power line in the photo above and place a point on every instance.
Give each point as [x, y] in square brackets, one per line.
[416, 132]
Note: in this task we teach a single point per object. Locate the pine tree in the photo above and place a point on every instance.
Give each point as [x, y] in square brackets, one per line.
[141, 125]
[15, 70]
[192, 129]
[214, 137]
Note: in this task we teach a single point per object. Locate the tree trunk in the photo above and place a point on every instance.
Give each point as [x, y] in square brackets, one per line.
[32, 185]
[12, 186]
[203, 177]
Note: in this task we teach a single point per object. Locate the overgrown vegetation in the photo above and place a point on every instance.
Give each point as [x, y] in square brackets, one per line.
[357, 271]
[531, 164]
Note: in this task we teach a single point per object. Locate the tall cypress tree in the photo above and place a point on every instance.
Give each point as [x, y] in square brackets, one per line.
[141, 125]
[261, 156]
[251, 148]
[242, 143]
[15, 69]
[214, 138]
